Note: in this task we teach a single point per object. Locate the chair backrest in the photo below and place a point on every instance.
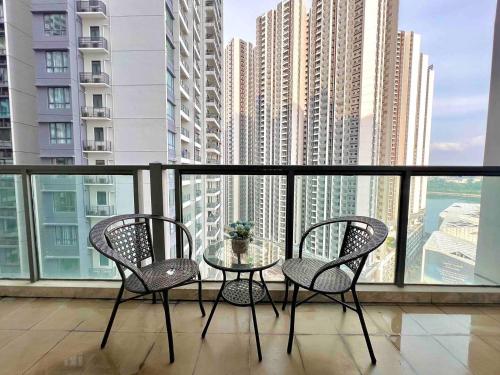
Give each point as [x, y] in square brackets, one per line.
[355, 237]
[126, 239]
[132, 240]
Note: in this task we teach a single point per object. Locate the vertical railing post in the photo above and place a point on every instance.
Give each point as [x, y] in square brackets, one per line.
[156, 181]
[403, 214]
[137, 192]
[29, 222]
[290, 203]
[178, 212]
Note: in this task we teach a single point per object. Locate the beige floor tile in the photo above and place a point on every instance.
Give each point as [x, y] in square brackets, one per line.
[435, 322]
[427, 356]
[348, 323]
[269, 323]
[125, 352]
[275, 359]
[460, 309]
[29, 314]
[319, 318]
[389, 360]
[187, 347]
[8, 305]
[493, 341]
[492, 311]
[393, 320]
[224, 354]
[227, 319]
[25, 350]
[326, 354]
[70, 356]
[7, 336]
[473, 352]
[145, 317]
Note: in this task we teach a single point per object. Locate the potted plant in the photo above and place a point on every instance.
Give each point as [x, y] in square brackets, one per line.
[240, 233]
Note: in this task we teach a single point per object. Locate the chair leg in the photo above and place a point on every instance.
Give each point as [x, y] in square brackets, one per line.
[200, 299]
[343, 300]
[363, 326]
[285, 299]
[154, 299]
[169, 325]
[292, 318]
[112, 317]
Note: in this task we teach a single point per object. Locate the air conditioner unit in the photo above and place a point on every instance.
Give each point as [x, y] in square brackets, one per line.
[100, 114]
[100, 147]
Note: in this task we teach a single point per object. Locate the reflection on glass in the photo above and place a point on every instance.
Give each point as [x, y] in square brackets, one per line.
[13, 250]
[66, 208]
[459, 239]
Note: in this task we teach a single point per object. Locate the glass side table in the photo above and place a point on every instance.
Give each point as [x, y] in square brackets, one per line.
[243, 292]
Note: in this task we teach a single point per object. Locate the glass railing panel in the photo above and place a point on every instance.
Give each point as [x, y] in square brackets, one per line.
[66, 208]
[457, 240]
[13, 243]
[319, 198]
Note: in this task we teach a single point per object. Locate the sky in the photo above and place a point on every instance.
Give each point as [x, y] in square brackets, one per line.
[458, 36]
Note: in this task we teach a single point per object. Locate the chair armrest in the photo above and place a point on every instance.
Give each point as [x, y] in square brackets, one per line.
[179, 224]
[320, 224]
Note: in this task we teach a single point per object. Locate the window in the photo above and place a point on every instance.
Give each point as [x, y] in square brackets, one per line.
[3, 74]
[102, 198]
[96, 68]
[64, 201]
[65, 235]
[57, 61]
[103, 261]
[99, 134]
[54, 24]
[170, 85]
[170, 112]
[4, 107]
[62, 161]
[97, 100]
[95, 32]
[170, 56]
[171, 141]
[59, 98]
[60, 133]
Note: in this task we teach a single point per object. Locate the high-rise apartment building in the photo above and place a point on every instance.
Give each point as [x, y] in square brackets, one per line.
[280, 59]
[213, 86]
[345, 65]
[110, 82]
[239, 127]
[405, 137]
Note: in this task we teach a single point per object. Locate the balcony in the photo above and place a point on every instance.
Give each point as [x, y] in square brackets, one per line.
[95, 113]
[98, 180]
[100, 211]
[94, 80]
[93, 9]
[93, 45]
[97, 146]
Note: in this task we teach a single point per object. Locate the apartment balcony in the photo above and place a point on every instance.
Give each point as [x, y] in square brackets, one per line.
[213, 119]
[92, 9]
[184, 46]
[183, 23]
[100, 211]
[97, 146]
[95, 113]
[185, 135]
[406, 333]
[93, 45]
[213, 191]
[185, 156]
[184, 89]
[214, 147]
[3, 52]
[98, 180]
[213, 134]
[94, 80]
[184, 68]
[185, 113]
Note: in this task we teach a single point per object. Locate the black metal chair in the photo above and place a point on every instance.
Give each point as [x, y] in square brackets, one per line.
[126, 239]
[362, 236]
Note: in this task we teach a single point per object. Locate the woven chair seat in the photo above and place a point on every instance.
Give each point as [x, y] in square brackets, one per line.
[162, 275]
[302, 271]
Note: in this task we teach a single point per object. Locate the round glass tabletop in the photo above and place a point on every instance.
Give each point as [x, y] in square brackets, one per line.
[261, 254]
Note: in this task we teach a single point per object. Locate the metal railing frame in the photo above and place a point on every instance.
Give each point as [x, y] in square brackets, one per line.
[157, 183]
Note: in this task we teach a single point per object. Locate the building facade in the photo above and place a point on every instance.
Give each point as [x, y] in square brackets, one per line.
[239, 126]
[104, 83]
[280, 59]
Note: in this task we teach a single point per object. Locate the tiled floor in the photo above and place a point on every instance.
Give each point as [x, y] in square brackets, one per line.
[47, 336]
